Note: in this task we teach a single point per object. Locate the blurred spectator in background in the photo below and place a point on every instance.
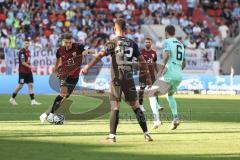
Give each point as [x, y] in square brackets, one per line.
[139, 36]
[173, 19]
[224, 30]
[159, 43]
[82, 35]
[91, 22]
[191, 4]
[213, 42]
[192, 44]
[206, 4]
[196, 30]
[202, 44]
[54, 38]
[177, 7]
[12, 41]
[166, 20]
[139, 3]
[236, 11]
[4, 41]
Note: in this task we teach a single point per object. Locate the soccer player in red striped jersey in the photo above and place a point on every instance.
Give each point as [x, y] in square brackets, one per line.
[150, 57]
[68, 63]
[25, 74]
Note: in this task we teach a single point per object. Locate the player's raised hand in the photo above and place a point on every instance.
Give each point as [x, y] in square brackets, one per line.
[33, 68]
[58, 71]
[84, 70]
[149, 82]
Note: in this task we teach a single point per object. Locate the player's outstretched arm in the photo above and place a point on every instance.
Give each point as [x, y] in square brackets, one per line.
[89, 51]
[24, 62]
[144, 69]
[26, 65]
[99, 56]
[166, 56]
[57, 63]
[156, 68]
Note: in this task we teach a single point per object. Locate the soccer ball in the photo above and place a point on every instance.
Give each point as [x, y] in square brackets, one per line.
[60, 119]
[56, 119]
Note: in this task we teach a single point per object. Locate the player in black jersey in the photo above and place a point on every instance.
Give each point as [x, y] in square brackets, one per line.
[122, 50]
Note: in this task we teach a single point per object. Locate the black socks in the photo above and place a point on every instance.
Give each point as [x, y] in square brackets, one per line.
[31, 96]
[56, 103]
[141, 119]
[14, 95]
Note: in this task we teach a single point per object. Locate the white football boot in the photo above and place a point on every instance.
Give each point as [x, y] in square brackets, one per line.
[156, 124]
[13, 102]
[160, 108]
[43, 117]
[175, 124]
[35, 103]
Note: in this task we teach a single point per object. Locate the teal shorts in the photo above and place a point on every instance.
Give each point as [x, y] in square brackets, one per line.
[173, 84]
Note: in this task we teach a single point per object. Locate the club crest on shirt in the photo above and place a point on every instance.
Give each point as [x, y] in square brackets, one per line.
[74, 54]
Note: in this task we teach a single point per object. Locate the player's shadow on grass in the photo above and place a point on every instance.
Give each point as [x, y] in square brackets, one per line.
[35, 150]
[102, 109]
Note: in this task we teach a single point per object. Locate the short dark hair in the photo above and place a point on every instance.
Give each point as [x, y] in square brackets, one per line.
[27, 39]
[170, 29]
[148, 39]
[67, 36]
[121, 23]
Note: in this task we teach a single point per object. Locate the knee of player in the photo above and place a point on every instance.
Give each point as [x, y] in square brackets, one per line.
[134, 104]
[20, 86]
[114, 108]
[170, 94]
[30, 86]
[63, 94]
[115, 105]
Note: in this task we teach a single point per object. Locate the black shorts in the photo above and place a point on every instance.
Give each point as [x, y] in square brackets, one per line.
[127, 86]
[70, 83]
[25, 78]
[142, 81]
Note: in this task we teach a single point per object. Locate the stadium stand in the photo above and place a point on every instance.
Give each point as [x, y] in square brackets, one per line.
[207, 24]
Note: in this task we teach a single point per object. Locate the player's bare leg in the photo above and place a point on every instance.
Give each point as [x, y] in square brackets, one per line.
[141, 119]
[114, 120]
[173, 106]
[31, 94]
[12, 99]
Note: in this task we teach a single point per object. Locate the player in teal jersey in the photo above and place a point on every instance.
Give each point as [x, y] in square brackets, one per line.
[171, 68]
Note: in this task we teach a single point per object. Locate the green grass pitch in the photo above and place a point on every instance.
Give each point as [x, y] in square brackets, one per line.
[209, 131]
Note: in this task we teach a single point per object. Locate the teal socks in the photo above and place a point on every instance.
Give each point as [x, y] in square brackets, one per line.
[173, 105]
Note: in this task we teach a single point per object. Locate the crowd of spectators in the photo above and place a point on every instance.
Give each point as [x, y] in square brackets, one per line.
[91, 21]
[226, 14]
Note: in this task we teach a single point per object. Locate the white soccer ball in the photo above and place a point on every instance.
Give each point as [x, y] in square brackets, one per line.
[56, 119]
